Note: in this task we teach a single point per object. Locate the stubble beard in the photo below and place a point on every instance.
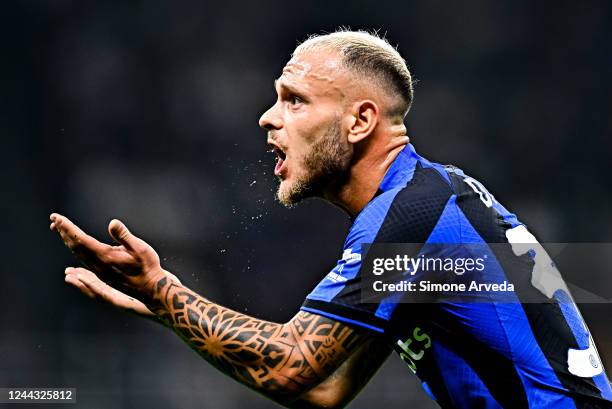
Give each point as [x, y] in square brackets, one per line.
[325, 166]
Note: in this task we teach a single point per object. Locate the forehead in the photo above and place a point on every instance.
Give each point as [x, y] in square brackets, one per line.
[315, 72]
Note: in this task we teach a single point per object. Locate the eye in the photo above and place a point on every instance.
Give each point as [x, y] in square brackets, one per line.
[295, 100]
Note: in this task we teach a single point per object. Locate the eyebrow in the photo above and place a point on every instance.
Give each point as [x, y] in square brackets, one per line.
[288, 87]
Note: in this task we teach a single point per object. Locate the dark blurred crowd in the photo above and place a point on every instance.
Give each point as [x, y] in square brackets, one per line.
[147, 111]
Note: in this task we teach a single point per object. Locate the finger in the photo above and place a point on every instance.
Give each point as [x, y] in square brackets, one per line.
[96, 286]
[93, 283]
[85, 246]
[73, 280]
[120, 233]
[81, 273]
[72, 235]
[110, 294]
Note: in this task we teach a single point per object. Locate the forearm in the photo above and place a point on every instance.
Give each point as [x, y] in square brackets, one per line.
[272, 358]
[279, 360]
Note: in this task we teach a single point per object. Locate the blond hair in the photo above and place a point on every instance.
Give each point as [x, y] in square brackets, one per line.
[370, 55]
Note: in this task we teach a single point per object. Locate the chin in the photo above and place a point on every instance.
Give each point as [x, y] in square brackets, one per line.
[290, 193]
[285, 195]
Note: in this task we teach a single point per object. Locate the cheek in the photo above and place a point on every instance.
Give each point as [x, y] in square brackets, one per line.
[305, 126]
[304, 129]
[299, 140]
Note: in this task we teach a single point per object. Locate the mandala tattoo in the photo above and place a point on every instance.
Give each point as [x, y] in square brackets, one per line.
[281, 360]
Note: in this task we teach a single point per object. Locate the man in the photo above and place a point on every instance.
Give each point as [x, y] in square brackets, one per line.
[337, 129]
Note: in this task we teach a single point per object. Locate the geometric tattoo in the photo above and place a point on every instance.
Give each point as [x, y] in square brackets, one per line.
[279, 360]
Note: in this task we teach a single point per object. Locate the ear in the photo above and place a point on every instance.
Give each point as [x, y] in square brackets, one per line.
[363, 120]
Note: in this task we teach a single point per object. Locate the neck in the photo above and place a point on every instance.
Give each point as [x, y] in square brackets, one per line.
[372, 162]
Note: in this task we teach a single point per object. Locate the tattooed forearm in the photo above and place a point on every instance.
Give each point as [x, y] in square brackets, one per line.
[279, 360]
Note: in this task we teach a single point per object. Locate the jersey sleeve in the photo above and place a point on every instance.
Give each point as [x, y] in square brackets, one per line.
[403, 215]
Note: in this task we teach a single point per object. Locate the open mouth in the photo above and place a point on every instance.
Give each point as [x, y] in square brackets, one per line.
[281, 157]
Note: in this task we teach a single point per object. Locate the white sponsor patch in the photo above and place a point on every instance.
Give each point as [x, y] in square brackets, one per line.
[584, 363]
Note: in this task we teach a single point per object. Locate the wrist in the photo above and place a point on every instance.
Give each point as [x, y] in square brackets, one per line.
[157, 290]
[156, 281]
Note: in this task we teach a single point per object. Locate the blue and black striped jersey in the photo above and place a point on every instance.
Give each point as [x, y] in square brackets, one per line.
[535, 352]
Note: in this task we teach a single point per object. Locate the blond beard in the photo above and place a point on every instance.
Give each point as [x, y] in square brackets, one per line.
[326, 164]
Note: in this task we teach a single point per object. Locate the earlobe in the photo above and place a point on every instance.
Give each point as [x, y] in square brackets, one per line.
[364, 120]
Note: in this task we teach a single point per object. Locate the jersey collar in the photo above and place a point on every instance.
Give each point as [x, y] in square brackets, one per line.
[401, 170]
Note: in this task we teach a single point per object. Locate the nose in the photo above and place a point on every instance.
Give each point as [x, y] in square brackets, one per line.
[271, 120]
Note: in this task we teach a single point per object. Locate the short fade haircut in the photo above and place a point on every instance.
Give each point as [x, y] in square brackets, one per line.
[368, 54]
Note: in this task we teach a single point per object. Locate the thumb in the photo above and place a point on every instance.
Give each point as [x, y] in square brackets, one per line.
[120, 233]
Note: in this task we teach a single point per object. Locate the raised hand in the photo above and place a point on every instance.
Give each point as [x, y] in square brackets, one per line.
[133, 264]
[90, 285]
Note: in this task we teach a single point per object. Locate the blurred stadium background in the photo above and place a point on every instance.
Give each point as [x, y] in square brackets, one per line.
[147, 111]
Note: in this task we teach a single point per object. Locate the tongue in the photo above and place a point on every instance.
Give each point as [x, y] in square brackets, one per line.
[279, 165]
